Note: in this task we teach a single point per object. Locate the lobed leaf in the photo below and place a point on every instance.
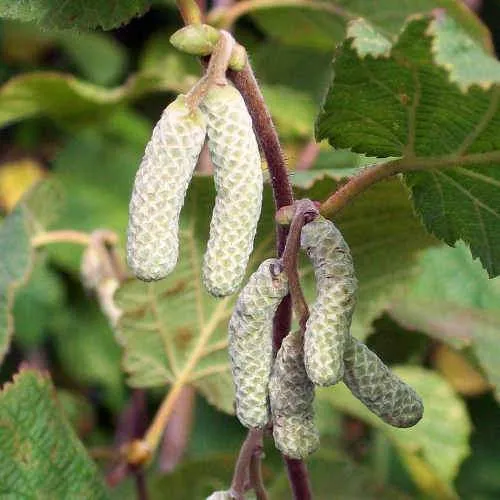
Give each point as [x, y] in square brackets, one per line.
[414, 103]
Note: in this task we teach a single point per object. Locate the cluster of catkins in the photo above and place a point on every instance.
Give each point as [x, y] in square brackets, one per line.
[268, 390]
[282, 391]
[162, 180]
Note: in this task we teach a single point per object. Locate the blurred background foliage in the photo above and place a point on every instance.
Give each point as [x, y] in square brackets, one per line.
[76, 110]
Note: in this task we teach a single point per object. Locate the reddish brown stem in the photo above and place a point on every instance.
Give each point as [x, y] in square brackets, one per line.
[358, 184]
[299, 479]
[256, 475]
[252, 443]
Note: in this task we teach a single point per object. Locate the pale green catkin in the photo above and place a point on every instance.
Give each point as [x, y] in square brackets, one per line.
[378, 388]
[327, 328]
[159, 189]
[238, 180]
[291, 396]
[250, 341]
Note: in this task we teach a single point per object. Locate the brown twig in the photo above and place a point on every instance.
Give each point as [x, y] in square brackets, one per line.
[256, 475]
[299, 479]
[140, 484]
[305, 211]
[252, 443]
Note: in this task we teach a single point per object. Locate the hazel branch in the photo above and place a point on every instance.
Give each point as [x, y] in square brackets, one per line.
[252, 443]
[256, 475]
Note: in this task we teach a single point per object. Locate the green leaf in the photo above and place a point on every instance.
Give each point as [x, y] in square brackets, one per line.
[412, 104]
[83, 14]
[453, 300]
[432, 450]
[15, 246]
[74, 102]
[37, 303]
[384, 237]
[97, 168]
[334, 476]
[478, 478]
[40, 456]
[321, 25]
[32, 213]
[87, 350]
[99, 57]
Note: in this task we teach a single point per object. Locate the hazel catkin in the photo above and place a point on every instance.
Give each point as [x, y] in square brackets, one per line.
[159, 189]
[238, 181]
[291, 396]
[327, 328]
[250, 341]
[378, 388]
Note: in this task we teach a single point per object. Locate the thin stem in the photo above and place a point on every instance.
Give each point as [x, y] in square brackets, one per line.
[227, 17]
[246, 83]
[305, 210]
[190, 11]
[252, 442]
[374, 174]
[256, 475]
[140, 484]
[216, 70]
[60, 236]
[299, 479]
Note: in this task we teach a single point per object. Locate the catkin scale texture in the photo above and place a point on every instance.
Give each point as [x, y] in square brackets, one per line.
[159, 189]
[378, 388]
[327, 329]
[291, 396]
[250, 341]
[238, 181]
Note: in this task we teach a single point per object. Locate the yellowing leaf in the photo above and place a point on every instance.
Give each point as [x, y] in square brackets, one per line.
[16, 178]
[462, 376]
